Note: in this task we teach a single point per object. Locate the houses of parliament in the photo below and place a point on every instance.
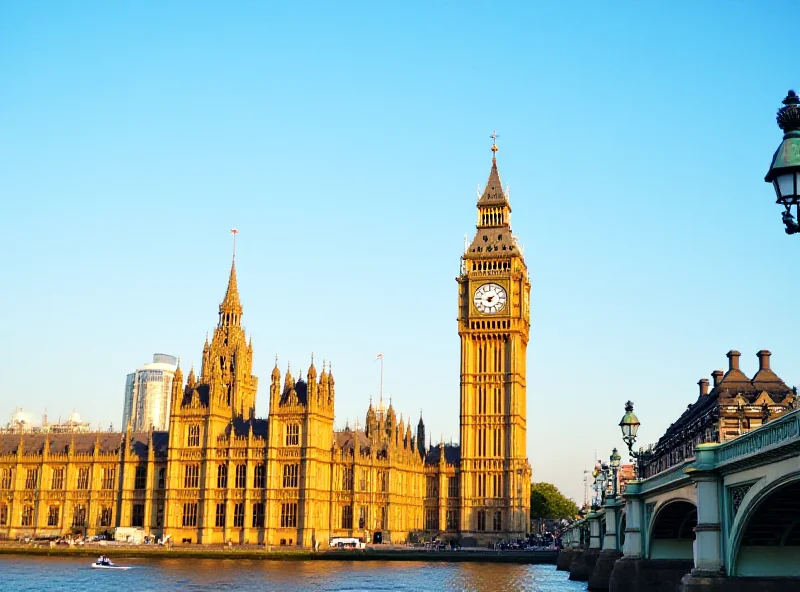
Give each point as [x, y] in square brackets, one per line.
[220, 474]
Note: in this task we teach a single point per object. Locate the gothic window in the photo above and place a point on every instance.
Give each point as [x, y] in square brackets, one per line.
[481, 483]
[481, 520]
[498, 521]
[141, 477]
[190, 514]
[241, 476]
[5, 479]
[162, 478]
[238, 515]
[191, 476]
[347, 517]
[258, 477]
[362, 517]
[3, 515]
[290, 475]
[497, 485]
[383, 481]
[83, 478]
[363, 482]
[159, 515]
[106, 516]
[57, 482]
[194, 436]
[219, 521]
[347, 483]
[431, 518]
[452, 519]
[452, 487]
[292, 434]
[431, 486]
[382, 519]
[222, 476]
[78, 516]
[289, 515]
[108, 477]
[137, 517]
[32, 477]
[258, 515]
[52, 516]
[27, 516]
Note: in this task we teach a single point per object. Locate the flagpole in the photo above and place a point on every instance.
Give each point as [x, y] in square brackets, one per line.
[380, 395]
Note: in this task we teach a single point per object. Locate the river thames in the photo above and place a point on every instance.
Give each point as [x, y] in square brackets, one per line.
[197, 575]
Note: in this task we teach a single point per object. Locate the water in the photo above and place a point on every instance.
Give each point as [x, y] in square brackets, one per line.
[198, 575]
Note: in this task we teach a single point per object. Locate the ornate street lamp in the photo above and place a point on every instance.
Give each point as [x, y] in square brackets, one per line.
[784, 172]
[629, 424]
[615, 460]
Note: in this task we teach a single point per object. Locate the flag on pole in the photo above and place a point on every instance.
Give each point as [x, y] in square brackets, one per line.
[234, 231]
[379, 356]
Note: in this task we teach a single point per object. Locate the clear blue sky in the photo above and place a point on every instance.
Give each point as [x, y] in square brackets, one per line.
[346, 143]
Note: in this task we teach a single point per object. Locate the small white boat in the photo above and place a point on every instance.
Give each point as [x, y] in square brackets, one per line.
[108, 565]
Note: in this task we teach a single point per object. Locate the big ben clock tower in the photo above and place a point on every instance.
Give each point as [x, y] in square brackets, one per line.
[493, 324]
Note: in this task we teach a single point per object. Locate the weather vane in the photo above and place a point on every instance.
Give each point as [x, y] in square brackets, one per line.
[234, 232]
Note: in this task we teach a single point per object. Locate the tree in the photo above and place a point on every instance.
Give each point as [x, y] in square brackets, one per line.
[548, 502]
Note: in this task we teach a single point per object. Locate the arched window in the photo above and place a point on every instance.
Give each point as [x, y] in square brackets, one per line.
[241, 476]
[222, 476]
[194, 436]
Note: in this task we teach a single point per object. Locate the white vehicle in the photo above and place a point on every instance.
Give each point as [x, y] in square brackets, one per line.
[346, 543]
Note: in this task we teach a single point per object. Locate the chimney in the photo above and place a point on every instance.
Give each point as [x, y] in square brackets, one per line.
[733, 360]
[703, 384]
[763, 359]
[717, 376]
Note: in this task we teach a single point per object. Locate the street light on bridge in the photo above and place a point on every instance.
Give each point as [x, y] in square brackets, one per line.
[784, 172]
[629, 424]
[615, 460]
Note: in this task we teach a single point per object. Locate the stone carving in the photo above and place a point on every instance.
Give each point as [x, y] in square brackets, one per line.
[737, 494]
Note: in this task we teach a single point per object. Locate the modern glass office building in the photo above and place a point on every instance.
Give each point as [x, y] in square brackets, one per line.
[147, 394]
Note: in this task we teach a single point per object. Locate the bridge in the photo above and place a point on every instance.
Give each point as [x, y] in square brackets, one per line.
[727, 518]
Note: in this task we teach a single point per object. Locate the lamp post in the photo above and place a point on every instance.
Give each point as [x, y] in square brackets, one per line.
[614, 462]
[784, 171]
[629, 424]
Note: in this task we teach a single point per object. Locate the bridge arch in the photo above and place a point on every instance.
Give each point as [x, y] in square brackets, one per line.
[766, 532]
[671, 532]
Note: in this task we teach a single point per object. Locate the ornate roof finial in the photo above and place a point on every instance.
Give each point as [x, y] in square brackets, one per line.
[494, 144]
[788, 117]
[234, 232]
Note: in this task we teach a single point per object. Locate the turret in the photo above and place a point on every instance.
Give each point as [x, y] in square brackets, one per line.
[331, 393]
[421, 435]
[371, 423]
[275, 388]
[313, 388]
[177, 389]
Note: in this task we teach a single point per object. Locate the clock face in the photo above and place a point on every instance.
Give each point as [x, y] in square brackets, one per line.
[490, 298]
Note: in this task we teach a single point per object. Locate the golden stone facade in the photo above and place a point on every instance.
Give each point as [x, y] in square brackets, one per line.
[219, 474]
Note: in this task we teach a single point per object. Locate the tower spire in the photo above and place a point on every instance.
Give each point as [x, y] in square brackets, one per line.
[230, 310]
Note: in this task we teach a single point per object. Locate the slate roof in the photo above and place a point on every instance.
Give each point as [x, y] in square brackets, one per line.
[452, 454]
[84, 443]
